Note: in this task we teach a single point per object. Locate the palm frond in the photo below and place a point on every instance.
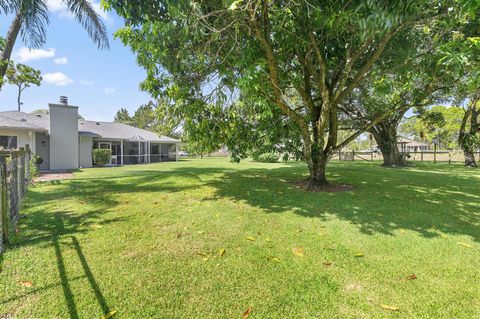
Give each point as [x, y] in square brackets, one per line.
[8, 6]
[90, 20]
[35, 21]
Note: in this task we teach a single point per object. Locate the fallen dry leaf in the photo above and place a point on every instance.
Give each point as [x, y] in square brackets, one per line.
[299, 251]
[222, 252]
[411, 277]
[327, 263]
[465, 245]
[389, 307]
[109, 314]
[27, 284]
[250, 238]
[247, 312]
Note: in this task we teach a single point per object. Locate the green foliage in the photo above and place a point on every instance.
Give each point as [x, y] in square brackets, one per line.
[159, 117]
[37, 159]
[34, 162]
[266, 158]
[470, 142]
[122, 116]
[35, 19]
[101, 157]
[290, 64]
[22, 76]
[439, 123]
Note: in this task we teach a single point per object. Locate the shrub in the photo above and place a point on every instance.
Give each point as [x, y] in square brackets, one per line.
[101, 157]
[34, 166]
[38, 160]
[267, 158]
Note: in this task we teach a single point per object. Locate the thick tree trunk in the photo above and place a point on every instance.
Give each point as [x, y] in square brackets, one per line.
[391, 154]
[469, 158]
[465, 138]
[9, 44]
[385, 135]
[317, 166]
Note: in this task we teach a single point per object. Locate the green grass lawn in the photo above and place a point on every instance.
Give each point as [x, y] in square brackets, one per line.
[148, 242]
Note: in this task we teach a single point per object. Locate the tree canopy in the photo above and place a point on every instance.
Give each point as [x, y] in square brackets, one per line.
[22, 76]
[157, 117]
[300, 58]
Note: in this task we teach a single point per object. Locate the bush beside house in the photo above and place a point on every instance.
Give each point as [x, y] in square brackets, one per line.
[101, 157]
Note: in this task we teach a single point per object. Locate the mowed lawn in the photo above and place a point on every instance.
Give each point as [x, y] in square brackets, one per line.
[211, 239]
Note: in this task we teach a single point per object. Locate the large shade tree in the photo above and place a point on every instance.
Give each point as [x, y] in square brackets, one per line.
[318, 52]
[463, 55]
[414, 88]
[31, 18]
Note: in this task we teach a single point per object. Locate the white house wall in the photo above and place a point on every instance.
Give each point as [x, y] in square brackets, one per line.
[63, 137]
[23, 137]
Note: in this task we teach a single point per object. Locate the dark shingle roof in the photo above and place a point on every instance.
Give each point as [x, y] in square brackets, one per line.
[106, 130]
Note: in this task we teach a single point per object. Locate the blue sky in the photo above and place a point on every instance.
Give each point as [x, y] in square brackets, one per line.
[99, 82]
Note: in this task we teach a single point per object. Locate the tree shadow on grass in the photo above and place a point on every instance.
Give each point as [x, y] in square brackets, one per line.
[94, 197]
[424, 199]
[382, 200]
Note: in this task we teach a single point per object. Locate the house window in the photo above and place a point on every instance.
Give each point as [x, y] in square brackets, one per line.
[8, 142]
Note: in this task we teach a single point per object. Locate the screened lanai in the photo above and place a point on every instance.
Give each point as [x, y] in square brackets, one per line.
[137, 150]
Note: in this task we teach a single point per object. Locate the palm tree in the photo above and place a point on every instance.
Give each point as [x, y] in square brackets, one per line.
[32, 17]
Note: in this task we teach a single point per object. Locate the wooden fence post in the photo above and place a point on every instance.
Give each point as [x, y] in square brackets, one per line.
[421, 156]
[435, 153]
[353, 155]
[3, 186]
[21, 173]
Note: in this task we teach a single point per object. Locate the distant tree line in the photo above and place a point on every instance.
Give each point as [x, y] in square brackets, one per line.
[157, 117]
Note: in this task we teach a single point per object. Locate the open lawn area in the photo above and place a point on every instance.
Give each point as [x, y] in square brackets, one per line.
[211, 239]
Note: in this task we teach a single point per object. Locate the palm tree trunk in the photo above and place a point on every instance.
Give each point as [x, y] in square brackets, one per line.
[9, 44]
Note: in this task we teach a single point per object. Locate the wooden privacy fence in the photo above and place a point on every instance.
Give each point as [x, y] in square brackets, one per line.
[420, 156]
[15, 177]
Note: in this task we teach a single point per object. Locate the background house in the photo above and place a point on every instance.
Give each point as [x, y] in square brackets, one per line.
[66, 142]
[407, 145]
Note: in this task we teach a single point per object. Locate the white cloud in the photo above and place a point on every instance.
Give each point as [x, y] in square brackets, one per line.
[86, 82]
[63, 60]
[57, 78]
[59, 7]
[25, 54]
[109, 90]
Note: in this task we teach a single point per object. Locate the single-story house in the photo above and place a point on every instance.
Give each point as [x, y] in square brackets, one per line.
[407, 145]
[65, 142]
